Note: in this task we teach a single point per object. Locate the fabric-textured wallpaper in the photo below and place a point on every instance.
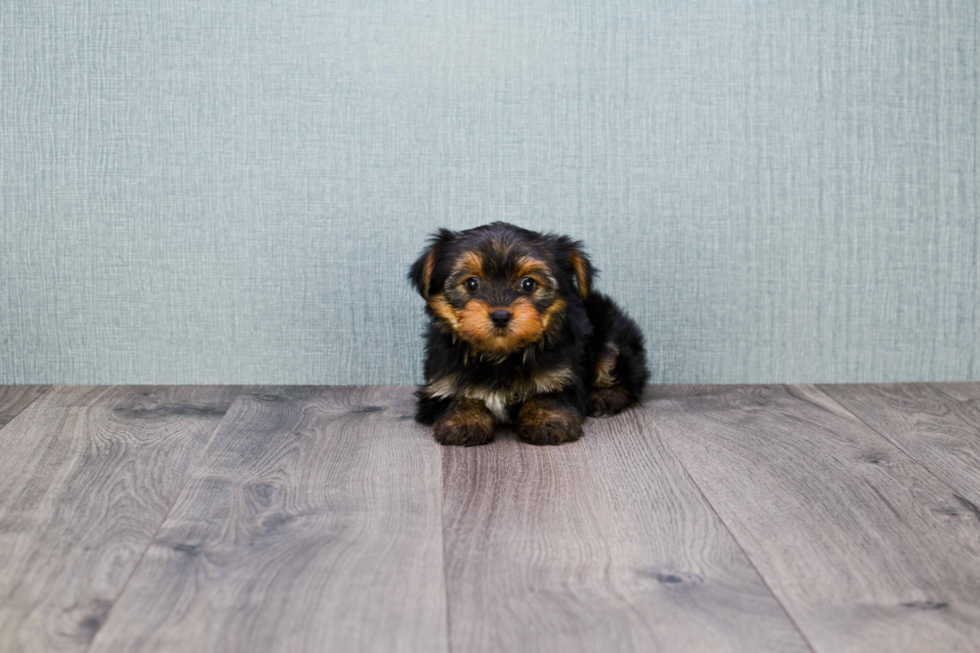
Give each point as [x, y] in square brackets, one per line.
[203, 192]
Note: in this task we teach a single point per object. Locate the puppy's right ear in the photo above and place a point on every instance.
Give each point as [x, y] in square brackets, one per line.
[421, 272]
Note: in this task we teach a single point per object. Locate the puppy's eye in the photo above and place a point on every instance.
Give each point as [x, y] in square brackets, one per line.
[472, 284]
[529, 284]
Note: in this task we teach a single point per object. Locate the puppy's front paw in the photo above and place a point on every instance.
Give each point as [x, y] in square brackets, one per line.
[462, 434]
[466, 423]
[546, 421]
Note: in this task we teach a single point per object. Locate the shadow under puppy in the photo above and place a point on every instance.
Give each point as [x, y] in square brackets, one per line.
[517, 336]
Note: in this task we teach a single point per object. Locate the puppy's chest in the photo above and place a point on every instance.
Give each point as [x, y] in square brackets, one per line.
[501, 394]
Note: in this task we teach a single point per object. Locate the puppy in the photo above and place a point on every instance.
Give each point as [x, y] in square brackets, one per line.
[516, 335]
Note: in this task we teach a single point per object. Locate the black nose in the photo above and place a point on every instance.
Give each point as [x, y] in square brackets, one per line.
[500, 318]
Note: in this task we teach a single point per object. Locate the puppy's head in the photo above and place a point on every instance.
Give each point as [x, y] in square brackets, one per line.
[499, 287]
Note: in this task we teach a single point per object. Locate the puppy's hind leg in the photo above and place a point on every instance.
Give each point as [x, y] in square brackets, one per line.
[607, 396]
[620, 370]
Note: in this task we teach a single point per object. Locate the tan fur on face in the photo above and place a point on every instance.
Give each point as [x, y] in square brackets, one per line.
[531, 267]
[549, 318]
[476, 327]
[441, 307]
[469, 264]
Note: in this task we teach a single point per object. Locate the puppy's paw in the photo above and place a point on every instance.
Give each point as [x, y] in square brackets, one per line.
[608, 401]
[553, 432]
[466, 423]
[462, 434]
[547, 421]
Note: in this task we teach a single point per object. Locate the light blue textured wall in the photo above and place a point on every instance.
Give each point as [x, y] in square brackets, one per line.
[231, 191]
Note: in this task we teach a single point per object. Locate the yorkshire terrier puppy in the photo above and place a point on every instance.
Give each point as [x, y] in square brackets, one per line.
[516, 335]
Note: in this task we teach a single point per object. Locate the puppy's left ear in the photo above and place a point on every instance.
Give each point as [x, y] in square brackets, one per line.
[420, 273]
[579, 261]
[584, 272]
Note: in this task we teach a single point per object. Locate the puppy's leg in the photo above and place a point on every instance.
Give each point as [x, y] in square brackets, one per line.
[548, 419]
[466, 422]
[609, 401]
[608, 395]
[620, 371]
[428, 409]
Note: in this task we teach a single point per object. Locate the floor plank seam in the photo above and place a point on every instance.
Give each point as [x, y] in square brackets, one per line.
[915, 461]
[44, 392]
[741, 548]
[941, 389]
[445, 558]
[163, 521]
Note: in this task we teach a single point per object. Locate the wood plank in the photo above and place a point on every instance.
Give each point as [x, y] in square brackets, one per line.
[15, 398]
[312, 524]
[599, 545]
[87, 474]
[867, 550]
[968, 391]
[936, 424]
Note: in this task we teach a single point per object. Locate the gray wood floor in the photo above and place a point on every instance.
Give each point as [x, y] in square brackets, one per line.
[725, 518]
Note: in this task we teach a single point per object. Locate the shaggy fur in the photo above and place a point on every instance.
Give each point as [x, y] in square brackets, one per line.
[516, 335]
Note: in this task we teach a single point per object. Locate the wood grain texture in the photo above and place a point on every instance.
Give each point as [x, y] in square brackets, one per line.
[936, 424]
[87, 474]
[600, 545]
[866, 549]
[15, 398]
[312, 524]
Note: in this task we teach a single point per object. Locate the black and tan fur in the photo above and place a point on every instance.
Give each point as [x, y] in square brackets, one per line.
[516, 335]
